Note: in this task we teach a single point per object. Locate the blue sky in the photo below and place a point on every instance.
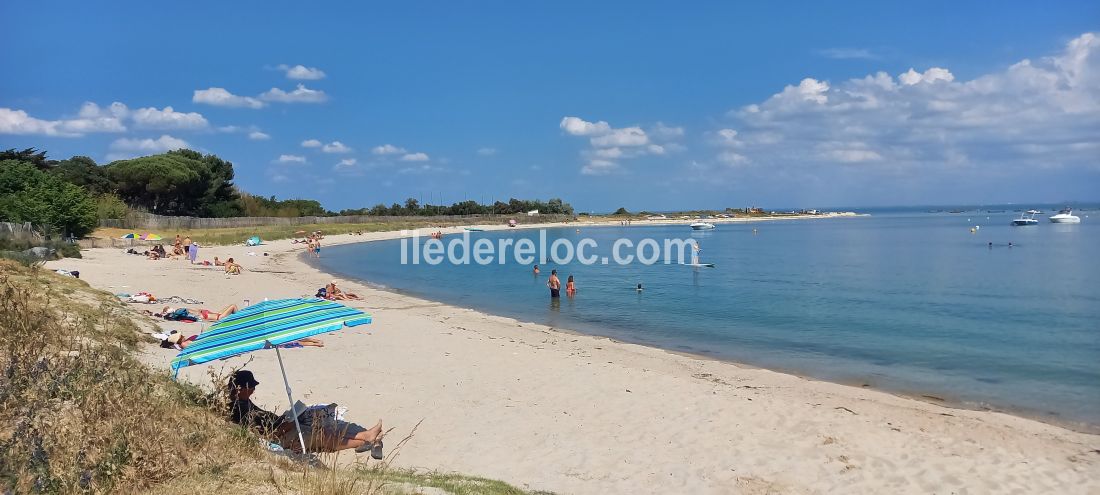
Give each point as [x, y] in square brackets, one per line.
[644, 105]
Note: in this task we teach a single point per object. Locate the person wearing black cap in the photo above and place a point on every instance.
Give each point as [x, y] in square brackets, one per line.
[246, 413]
[322, 432]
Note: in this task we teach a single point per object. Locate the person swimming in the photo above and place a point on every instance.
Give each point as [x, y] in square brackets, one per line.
[639, 289]
[536, 269]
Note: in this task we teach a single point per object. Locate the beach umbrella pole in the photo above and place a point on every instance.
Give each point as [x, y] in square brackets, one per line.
[297, 426]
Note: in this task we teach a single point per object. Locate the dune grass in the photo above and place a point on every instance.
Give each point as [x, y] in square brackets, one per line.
[80, 414]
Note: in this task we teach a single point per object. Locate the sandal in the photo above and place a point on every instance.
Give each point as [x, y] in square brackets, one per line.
[375, 449]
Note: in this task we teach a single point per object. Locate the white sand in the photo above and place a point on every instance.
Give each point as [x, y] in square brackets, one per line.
[553, 411]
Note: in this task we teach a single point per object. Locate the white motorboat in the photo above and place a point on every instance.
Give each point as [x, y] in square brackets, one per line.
[1065, 216]
[1033, 212]
[702, 226]
[1025, 219]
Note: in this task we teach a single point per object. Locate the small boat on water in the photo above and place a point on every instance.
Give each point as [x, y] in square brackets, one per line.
[1025, 219]
[955, 211]
[1033, 212]
[702, 226]
[1065, 216]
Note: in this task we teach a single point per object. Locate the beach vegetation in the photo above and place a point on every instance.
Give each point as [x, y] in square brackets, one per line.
[621, 211]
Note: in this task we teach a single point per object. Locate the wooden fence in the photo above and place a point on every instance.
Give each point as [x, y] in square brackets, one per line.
[21, 231]
[148, 221]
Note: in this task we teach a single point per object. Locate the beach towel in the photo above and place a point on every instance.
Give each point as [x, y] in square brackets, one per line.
[181, 315]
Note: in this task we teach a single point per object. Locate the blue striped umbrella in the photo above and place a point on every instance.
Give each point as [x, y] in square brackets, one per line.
[268, 324]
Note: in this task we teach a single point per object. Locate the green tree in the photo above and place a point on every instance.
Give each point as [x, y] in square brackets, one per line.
[83, 171]
[28, 194]
[181, 182]
[29, 155]
[621, 211]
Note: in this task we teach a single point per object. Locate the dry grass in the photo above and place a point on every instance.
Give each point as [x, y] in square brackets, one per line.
[79, 414]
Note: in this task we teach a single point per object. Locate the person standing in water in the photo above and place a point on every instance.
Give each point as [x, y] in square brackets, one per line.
[570, 287]
[554, 284]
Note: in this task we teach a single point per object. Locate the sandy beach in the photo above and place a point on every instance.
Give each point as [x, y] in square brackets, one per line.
[549, 410]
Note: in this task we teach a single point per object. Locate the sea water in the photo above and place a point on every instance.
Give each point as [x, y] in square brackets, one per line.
[909, 302]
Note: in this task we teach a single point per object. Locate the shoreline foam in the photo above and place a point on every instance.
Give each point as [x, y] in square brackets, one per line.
[574, 413]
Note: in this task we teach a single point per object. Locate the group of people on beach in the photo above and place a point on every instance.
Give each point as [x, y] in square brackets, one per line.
[554, 283]
[183, 248]
[313, 245]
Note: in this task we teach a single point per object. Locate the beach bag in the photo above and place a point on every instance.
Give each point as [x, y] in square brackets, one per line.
[321, 293]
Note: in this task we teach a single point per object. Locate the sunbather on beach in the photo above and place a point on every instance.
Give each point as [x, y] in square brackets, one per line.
[334, 294]
[321, 432]
[231, 267]
[176, 340]
[170, 313]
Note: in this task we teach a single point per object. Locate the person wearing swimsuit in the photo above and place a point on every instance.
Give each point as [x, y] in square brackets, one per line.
[554, 284]
[570, 287]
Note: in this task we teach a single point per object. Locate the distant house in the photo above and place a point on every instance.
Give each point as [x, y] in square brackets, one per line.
[533, 213]
[756, 210]
[656, 217]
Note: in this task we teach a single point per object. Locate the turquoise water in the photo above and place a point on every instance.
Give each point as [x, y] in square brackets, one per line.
[910, 302]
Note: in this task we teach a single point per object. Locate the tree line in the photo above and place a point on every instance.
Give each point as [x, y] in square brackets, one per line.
[412, 207]
[72, 195]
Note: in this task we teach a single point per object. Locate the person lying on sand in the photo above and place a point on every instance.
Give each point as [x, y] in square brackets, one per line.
[218, 262]
[170, 313]
[334, 294]
[321, 431]
[177, 341]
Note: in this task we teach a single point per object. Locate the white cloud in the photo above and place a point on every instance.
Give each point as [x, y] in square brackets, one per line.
[19, 122]
[123, 148]
[290, 159]
[151, 118]
[930, 76]
[220, 97]
[629, 136]
[335, 147]
[348, 167]
[600, 167]
[608, 143]
[301, 94]
[302, 72]
[487, 151]
[415, 157]
[1035, 113]
[847, 53]
[387, 149]
[580, 127]
[258, 136]
[311, 143]
[92, 118]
